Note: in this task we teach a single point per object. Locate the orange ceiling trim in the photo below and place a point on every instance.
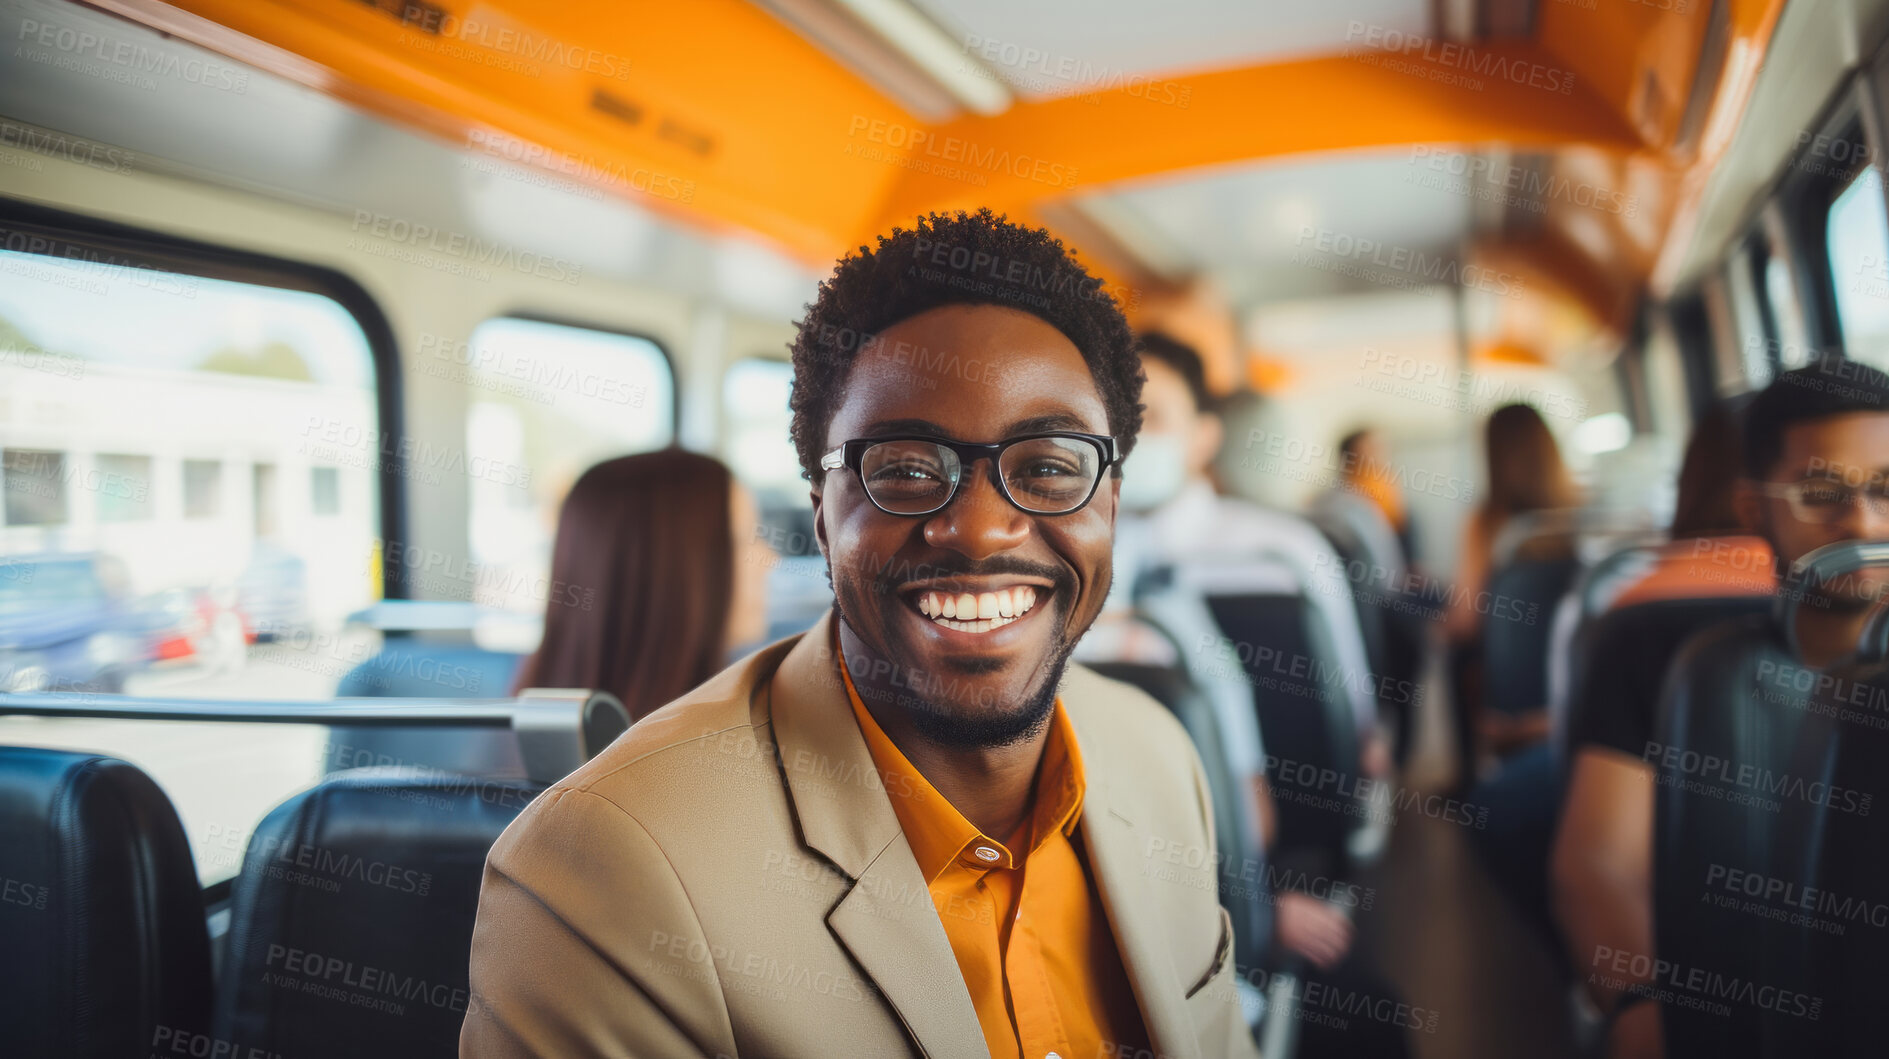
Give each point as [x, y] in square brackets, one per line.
[1058, 147]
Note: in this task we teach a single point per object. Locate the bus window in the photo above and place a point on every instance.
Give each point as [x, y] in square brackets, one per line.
[547, 400]
[145, 414]
[754, 405]
[1787, 313]
[1666, 382]
[1748, 317]
[1858, 234]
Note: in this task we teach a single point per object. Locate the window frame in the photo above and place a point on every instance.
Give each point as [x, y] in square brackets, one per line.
[535, 316]
[57, 229]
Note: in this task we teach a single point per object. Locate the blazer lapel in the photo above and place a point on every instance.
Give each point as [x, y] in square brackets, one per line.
[889, 925]
[1114, 844]
[886, 921]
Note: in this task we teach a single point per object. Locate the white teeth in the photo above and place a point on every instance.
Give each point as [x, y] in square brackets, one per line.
[977, 613]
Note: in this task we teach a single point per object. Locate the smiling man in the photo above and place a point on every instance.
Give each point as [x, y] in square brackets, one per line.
[914, 829]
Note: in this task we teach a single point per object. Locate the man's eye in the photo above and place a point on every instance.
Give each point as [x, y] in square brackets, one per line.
[906, 472]
[1050, 469]
[1825, 494]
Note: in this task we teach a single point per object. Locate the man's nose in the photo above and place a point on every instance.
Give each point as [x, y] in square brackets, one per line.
[1868, 518]
[980, 521]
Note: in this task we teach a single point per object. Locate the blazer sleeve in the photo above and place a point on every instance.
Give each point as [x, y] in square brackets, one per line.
[586, 943]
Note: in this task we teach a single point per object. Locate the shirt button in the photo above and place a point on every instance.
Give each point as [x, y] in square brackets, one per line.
[987, 854]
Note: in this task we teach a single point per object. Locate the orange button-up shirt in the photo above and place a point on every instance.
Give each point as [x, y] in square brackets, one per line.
[1029, 933]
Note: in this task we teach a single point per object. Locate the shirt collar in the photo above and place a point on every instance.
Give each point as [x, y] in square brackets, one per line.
[940, 835]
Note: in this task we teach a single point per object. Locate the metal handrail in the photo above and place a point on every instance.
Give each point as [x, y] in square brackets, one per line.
[558, 729]
[1822, 566]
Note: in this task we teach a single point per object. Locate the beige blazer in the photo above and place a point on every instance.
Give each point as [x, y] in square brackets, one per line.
[729, 879]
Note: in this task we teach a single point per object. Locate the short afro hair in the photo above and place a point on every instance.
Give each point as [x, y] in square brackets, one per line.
[1829, 386]
[958, 259]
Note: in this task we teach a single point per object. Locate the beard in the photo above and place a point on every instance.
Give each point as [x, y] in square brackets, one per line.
[942, 709]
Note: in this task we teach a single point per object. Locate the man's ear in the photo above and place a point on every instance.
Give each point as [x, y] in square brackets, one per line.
[819, 524]
[1749, 505]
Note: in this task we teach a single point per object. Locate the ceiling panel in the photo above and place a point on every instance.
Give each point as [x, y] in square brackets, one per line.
[1050, 48]
[1358, 222]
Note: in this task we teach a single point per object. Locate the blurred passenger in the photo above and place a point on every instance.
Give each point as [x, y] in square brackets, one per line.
[1368, 472]
[1170, 507]
[1171, 510]
[658, 577]
[1526, 479]
[1816, 452]
[1365, 516]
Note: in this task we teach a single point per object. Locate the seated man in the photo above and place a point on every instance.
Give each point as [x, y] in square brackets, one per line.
[915, 829]
[1815, 445]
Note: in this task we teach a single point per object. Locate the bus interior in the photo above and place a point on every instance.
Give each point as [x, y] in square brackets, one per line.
[312, 312]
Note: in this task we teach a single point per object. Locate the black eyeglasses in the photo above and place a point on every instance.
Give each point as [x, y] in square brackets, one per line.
[1823, 501]
[1043, 474]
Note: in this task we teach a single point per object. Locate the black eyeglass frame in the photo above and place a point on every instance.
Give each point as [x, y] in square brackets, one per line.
[852, 453]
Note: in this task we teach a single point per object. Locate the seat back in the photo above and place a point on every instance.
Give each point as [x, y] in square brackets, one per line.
[351, 921]
[1392, 620]
[1517, 628]
[105, 949]
[1624, 654]
[1727, 757]
[1305, 717]
[1838, 853]
[409, 668]
[1243, 883]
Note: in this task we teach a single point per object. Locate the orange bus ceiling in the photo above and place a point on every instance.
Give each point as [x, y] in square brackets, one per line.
[715, 111]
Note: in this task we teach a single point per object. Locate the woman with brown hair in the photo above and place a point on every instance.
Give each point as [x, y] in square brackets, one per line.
[1525, 475]
[657, 576]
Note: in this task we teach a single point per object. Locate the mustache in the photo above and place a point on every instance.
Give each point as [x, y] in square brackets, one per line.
[898, 570]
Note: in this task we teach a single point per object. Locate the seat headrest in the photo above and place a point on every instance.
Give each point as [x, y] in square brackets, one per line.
[106, 949]
[351, 922]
